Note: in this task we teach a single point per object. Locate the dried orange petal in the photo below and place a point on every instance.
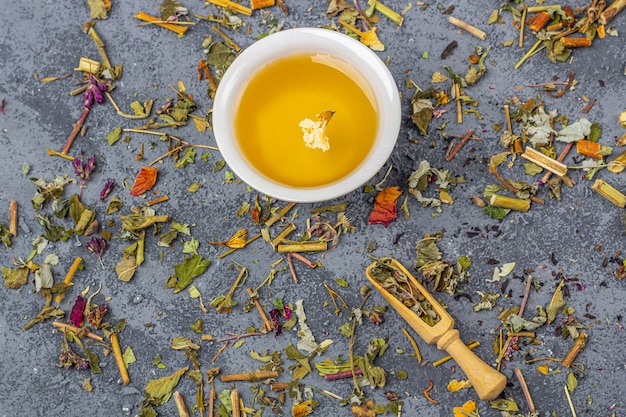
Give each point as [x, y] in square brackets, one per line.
[144, 181]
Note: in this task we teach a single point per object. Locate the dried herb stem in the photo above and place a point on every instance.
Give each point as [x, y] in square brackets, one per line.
[418, 354]
[157, 200]
[510, 203]
[179, 148]
[333, 296]
[387, 12]
[64, 326]
[220, 350]
[560, 158]
[282, 235]
[460, 145]
[569, 401]
[62, 155]
[179, 30]
[236, 337]
[302, 259]
[610, 12]
[537, 9]
[279, 214]
[470, 345]
[314, 246]
[268, 325]
[609, 192]
[522, 26]
[532, 51]
[234, 399]
[77, 126]
[342, 375]
[508, 186]
[228, 40]
[119, 359]
[522, 381]
[292, 269]
[233, 6]
[211, 401]
[473, 30]
[13, 217]
[68, 277]
[180, 404]
[503, 349]
[249, 376]
[242, 273]
[91, 32]
[459, 105]
[350, 354]
[427, 391]
[529, 281]
[507, 114]
[579, 346]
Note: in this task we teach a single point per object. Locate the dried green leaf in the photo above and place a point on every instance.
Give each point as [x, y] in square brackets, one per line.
[115, 204]
[342, 282]
[180, 343]
[191, 247]
[188, 158]
[94, 361]
[572, 382]
[422, 114]
[556, 304]
[496, 212]
[5, 235]
[125, 269]
[504, 404]
[530, 168]
[97, 9]
[580, 129]
[219, 165]
[167, 238]
[160, 390]
[188, 270]
[128, 356]
[114, 135]
[15, 278]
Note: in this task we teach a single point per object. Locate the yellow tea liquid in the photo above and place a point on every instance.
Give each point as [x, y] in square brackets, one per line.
[289, 90]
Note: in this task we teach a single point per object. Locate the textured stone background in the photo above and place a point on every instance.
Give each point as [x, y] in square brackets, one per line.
[579, 232]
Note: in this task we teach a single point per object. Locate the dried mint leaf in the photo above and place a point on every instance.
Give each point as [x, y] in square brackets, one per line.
[15, 278]
[188, 158]
[160, 390]
[188, 270]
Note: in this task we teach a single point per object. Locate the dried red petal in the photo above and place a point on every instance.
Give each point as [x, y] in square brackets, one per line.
[144, 181]
[76, 316]
[385, 206]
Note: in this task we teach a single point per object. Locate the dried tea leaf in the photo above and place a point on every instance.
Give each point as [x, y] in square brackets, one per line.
[182, 228]
[191, 247]
[572, 382]
[487, 302]
[160, 390]
[128, 356]
[530, 168]
[422, 114]
[97, 9]
[543, 369]
[438, 77]
[115, 204]
[188, 270]
[237, 241]
[556, 304]
[114, 135]
[580, 129]
[504, 404]
[125, 269]
[180, 343]
[188, 158]
[15, 278]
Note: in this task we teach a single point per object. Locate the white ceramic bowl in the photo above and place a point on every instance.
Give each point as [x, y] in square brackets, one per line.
[369, 69]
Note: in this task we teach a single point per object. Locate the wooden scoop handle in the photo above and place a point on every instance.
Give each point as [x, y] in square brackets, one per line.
[487, 382]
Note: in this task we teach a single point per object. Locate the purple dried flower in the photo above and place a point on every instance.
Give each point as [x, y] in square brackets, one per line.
[97, 245]
[76, 316]
[84, 169]
[94, 92]
[275, 315]
[106, 190]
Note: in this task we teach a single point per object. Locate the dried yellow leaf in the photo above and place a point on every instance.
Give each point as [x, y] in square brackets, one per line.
[438, 78]
[370, 39]
[544, 369]
[238, 240]
[456, 385]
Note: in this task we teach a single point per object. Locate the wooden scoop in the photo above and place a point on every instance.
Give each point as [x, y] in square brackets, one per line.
[487, 382]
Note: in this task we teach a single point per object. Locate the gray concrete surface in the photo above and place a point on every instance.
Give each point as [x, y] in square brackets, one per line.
[580, 232]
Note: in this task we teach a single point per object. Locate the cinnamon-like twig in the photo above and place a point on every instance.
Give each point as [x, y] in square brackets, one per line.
[342, 375]
[68, 277]
[119, 359]
[522, 381]
[473, 30]
[73, 329]
[291, 268]
[458, 147]
[529, 281]
[234, 399]
[459, 105]
[268, 325]
[579, 346]
[560, 158]
[180, 404]
[509, 187]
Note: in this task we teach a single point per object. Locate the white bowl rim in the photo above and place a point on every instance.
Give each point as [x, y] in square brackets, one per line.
[282, 44]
